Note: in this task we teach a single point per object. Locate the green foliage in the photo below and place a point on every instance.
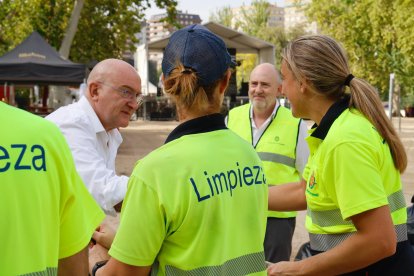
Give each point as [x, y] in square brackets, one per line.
[222, 16]
[408, 100]
[248, 62]
[18, 18]
[254, 19]
[22, 92]
[279, 38]
[376, 34]
[106, 28]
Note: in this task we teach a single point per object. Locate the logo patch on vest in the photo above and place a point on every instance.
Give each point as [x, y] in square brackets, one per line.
[312, 181]
[311, 184]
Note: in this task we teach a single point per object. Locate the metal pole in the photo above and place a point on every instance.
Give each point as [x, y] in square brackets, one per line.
[144, 112]
[390, 95]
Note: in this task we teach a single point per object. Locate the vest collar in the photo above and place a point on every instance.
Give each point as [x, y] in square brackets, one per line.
[329, 118]
[202, 124]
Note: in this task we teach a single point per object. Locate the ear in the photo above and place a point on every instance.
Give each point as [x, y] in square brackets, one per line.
[304, 86]
[224, 83]
[92, 91]
[279, 90]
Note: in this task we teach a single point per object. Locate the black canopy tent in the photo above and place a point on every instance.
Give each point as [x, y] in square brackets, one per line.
[34, 61]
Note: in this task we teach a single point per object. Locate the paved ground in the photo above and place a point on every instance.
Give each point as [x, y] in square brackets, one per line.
[141, 137]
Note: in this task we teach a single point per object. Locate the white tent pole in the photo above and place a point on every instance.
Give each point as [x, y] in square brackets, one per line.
[391, 90]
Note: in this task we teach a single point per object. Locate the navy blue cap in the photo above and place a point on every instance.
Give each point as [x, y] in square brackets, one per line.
[200, 50]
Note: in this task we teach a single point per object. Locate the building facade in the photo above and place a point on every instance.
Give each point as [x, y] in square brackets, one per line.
[294, 12]
[157, 28]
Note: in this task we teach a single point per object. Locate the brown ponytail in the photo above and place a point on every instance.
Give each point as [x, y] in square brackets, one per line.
[182, 85]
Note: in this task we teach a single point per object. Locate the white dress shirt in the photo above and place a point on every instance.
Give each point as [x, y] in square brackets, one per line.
[94, 151]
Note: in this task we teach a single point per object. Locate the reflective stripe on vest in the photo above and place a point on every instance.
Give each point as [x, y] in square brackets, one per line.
[50, 271]
[325, 242]
[329, 218]
[277, 158]
[243, 265]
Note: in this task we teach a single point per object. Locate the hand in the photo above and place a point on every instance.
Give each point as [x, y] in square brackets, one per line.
[284, 268]
[97, 253]
[104, 235]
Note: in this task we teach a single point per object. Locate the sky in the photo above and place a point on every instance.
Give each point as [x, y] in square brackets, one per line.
[204, 7]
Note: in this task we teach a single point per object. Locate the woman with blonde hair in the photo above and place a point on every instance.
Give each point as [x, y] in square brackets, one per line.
[356, 211]
[198, 204]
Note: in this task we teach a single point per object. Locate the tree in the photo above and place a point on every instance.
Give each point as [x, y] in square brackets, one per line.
[71, 29]
[376, 34]
[248, 62]
[254, 18]
[107, 28]
[223, 16]
[18, 18]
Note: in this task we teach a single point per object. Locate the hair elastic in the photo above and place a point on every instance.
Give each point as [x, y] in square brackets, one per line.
[348, 79]
[187, 71]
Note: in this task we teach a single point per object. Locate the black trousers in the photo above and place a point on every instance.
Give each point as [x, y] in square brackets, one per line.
[399, 264]
[278, 239]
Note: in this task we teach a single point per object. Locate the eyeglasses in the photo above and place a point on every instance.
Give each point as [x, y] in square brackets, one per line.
[126, 93]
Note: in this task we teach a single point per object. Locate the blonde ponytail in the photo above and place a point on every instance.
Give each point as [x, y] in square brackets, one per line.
[366, 100]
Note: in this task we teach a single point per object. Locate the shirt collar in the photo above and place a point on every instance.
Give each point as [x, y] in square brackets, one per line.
[329, 118]
[272, 116]
[202, 124]
[87, 107]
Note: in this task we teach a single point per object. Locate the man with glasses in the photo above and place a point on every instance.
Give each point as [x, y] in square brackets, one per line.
[91, 125]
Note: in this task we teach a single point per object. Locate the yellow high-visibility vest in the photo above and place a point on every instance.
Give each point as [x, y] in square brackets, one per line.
[276, 147]
[350, 172]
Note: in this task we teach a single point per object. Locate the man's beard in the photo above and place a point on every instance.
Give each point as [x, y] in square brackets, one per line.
[259, 104]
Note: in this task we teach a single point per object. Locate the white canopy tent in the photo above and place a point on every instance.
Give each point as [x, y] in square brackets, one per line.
[233, 39]
[242, 42]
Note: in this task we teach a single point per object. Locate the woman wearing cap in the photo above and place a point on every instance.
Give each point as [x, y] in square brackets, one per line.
[198, 204]
[356, 213]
